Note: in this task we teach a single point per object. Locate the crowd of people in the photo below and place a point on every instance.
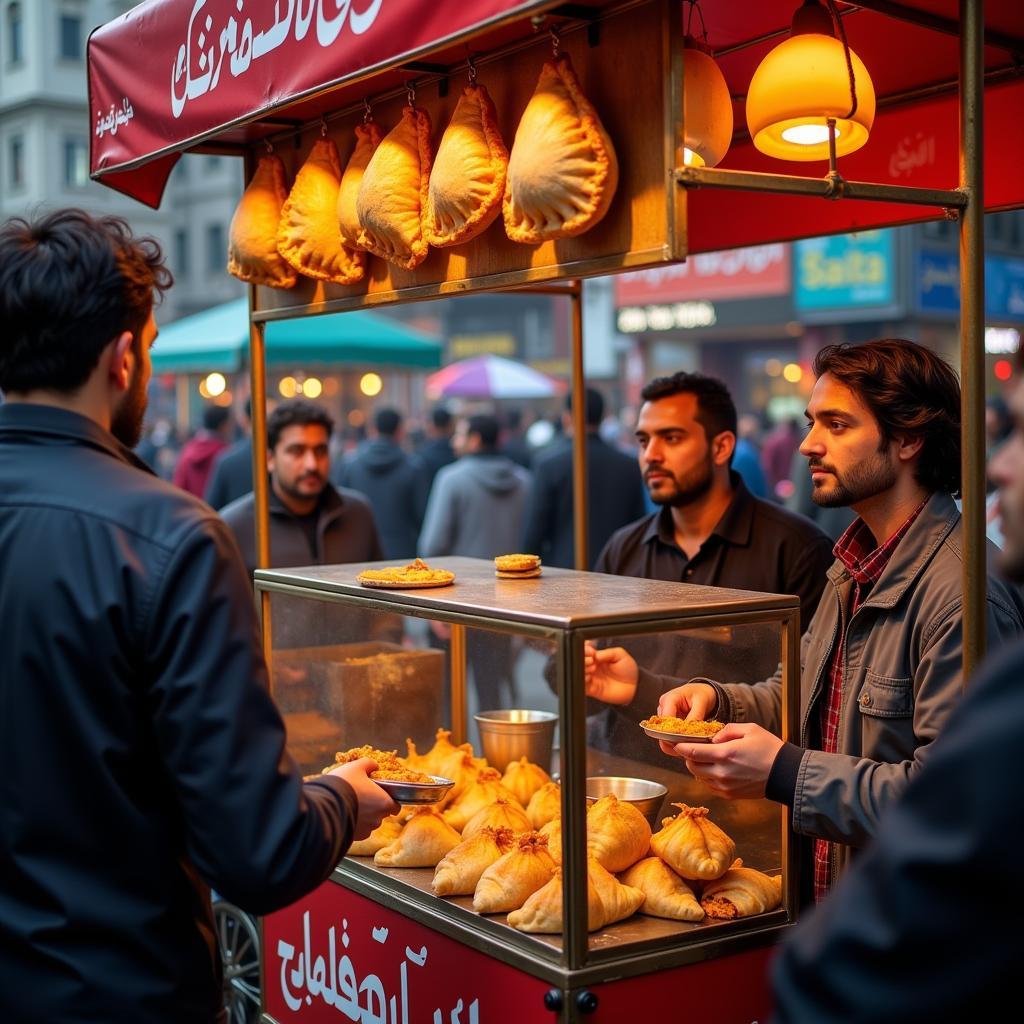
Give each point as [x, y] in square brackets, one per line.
[144, 761]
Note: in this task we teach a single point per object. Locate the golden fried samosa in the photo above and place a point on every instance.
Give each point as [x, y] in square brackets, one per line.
[617, 833]
[383, 835]
[500, 814]
[608, 901]
[665, 893]
[507, 883]
[460, 869]
[467, 180]
[437, 756]
[693, 845]
[552, 831]
[422, 843]
[392, 196]
[252, 248]
[545, 804]
[523, 778]
[741, 892]
[484, 790]
[562, 172]
[368, 138]
[308, 236]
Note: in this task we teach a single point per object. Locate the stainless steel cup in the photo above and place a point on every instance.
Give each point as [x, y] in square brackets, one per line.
[507, 736]
[646, 797]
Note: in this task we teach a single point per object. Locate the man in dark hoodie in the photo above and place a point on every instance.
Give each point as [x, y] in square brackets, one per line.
[476, 507]
[436, 452]
[393, 482]
[197, 457]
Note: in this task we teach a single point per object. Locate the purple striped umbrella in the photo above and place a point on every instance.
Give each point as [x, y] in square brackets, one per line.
[491, 377]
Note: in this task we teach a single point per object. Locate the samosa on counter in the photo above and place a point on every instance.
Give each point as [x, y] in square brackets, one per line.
[441, 757]
[513, 877]
[608, 901]
[523, 778]
[544, 805]
[460, 869]
[383, 835]
[563, 171]
[500, 814]
[368, 138]
[308, 236]
[252, 248]
[485, 790]
[467, 180]
[665, 893]
[741, 892]
[422, 843]
[693, 845]
[552, 832]
[392, 198]
[617, 833]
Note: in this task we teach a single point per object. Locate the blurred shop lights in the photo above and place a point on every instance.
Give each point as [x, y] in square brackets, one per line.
[793, 373]
[212, 385]
[668, 317]
[1001, 341]
[371, 384]
[290, 387]
[1003, 369]
[312, 387]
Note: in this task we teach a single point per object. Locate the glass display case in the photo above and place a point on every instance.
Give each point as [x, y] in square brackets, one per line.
[353, 666]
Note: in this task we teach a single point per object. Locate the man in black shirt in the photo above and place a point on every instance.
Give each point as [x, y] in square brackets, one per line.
[709, 531]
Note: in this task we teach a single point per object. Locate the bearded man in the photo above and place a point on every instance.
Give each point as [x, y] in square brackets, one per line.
[711, 531]
[881, 661]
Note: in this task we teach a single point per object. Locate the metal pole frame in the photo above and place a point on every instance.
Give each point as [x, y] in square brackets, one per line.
[972, 329]
[579, 428]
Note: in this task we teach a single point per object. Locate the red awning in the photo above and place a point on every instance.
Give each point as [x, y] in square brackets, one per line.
[172, 75]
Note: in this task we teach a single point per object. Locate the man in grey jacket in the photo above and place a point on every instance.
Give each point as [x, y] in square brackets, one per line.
[881, 659]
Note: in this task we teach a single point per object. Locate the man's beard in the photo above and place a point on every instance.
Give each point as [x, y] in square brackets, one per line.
[296, 493]
[858, 484]
[693, 486]
[126, 421]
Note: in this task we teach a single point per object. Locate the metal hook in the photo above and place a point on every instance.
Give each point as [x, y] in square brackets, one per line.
[410, 93]
[556, 40]
[367, 111]
[323, 127]
[269, 145]
[471, 64]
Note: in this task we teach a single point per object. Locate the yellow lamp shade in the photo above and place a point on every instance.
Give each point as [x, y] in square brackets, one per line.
[707, 110]
[800, 84]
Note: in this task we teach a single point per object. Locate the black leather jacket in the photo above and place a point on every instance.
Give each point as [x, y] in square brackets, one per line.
[141, 758]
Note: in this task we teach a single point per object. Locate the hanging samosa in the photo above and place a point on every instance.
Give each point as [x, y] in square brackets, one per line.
[665, 893]
[467, 181]
[392, 196]
[563, 172]
[368, 138]
[252, 248]
[308, 236]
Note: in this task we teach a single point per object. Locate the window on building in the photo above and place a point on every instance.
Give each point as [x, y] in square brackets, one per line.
[216, 248]
[212, 164]
[15, 39]
[69, 34]
[181, 253]
[76, 163]
[16, 161]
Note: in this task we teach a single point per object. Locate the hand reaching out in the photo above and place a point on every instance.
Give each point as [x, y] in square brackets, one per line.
[374, 803]
[610, 674]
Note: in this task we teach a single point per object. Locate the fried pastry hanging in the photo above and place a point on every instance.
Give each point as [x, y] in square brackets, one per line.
[665, 893]
[741, 892]
[693, 845]
[460, 869]
[523, 778]
[308, 236]
[422, 843]
[392, 196]
[513, 877]
[252, 247]
[368, 138]
[608, 901]
[467, 181]
[562, 172]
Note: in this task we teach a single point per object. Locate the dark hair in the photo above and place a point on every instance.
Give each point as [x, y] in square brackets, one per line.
[911, 392]
[387, 422]
[215, 416]
[716, 411]
[486, 426]
[71, 283]
[298, 411]
[441, 417]
[594, 411]
[513, 417]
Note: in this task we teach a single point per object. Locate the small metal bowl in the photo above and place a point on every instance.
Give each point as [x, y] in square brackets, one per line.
[416, 792]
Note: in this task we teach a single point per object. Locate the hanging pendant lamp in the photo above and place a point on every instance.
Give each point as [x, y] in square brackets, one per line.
[802, 83]
[707, 107]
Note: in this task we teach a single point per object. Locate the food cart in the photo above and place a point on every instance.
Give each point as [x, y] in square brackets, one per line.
[241, 77]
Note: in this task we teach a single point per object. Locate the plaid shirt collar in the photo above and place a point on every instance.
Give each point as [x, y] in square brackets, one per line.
[863, 557]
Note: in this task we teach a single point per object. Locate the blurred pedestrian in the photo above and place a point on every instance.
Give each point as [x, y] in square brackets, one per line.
[777, 451]
[436, 450]
[232, 469]
[513, 438]
[197, 457]
[746, 458]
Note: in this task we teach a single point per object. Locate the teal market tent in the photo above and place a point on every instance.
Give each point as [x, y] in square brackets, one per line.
[218, 339]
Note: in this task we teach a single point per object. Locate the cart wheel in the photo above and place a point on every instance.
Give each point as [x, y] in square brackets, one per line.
[239, 943]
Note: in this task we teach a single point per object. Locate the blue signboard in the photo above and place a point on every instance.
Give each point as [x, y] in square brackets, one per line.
[937, 284]
[845, 272]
